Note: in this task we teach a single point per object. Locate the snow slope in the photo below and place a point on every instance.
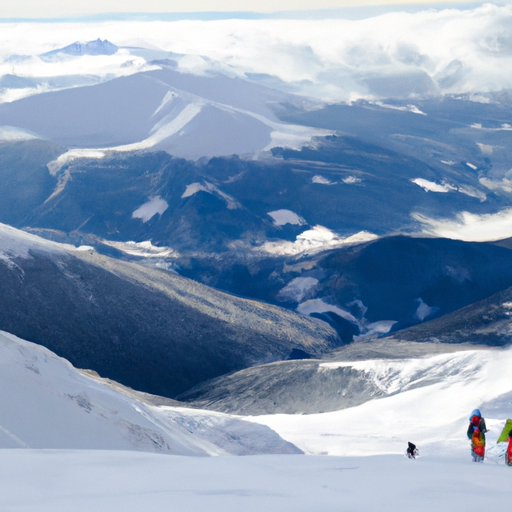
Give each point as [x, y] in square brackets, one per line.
[46, 403]
[428, 402]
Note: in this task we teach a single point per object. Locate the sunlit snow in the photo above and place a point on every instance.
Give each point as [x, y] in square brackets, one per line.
[46, 403]
[74, 154]
[10, 133]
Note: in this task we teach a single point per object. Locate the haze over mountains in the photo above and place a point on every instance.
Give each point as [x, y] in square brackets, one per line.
[281, 237]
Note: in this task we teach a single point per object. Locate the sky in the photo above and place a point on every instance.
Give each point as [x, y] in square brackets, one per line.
[60, 8]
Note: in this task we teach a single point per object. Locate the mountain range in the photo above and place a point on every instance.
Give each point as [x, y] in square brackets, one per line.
[206, 250]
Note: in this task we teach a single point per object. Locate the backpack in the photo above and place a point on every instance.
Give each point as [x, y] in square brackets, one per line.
[478, 443]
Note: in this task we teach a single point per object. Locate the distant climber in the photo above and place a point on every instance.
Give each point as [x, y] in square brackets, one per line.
[506, 437]
[412, 451]
[476, 433]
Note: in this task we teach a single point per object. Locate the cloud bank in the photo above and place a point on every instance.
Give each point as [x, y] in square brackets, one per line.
[395, 54]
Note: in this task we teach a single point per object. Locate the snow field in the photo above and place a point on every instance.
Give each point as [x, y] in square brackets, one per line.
[60, 481]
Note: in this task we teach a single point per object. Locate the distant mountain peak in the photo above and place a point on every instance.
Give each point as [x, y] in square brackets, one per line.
[97, 47]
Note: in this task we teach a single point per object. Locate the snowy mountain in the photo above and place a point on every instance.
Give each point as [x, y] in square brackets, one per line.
[97, 47]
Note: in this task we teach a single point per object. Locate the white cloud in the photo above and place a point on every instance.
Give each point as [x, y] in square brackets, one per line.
[57, 8]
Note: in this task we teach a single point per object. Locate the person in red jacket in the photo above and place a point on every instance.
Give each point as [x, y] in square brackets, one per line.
[476, 433]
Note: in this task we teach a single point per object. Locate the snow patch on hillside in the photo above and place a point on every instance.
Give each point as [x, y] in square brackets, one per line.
[322, 181]
[166, 128]
[205, 186]
[155, 206]
[168, 98]
[283, 217]
[142, 249]
[169, 126]
[424, 310]
[408, 108]
[315, 239]
[319, 306]
[55, 166]
[430, 186]
[15, 243]
[444, 187]
[351, 180]
[297, 289]
[377, 328]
